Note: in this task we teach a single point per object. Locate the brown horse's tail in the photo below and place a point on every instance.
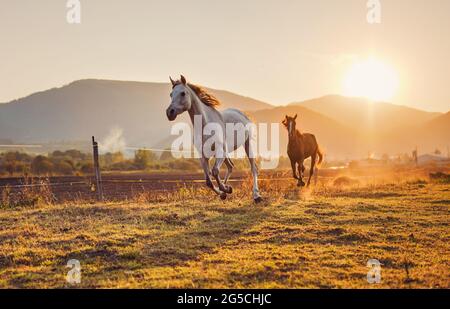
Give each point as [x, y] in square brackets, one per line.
[320, 154]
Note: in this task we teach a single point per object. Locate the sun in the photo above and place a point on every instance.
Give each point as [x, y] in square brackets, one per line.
[372, 79]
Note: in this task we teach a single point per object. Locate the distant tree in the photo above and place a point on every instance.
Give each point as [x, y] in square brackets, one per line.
[143, 158]
[64, 168]
[10, 166]
[87, 167]
[126, 165]
[14, 162]
[22, 168]
[109, 158]
[17, 156]
[166, 155]
[437, 152]
[73, 154]
[183, 164]
[57, 153]
[41, 165]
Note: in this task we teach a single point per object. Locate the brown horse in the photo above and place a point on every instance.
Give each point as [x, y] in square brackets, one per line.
[300, 147]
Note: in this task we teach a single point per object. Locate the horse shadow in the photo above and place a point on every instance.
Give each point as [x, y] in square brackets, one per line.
[204, 238]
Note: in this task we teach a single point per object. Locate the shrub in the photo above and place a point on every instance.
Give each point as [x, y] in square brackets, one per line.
[342, 181]
[87, 167]
[64, 168]
[123, 166]
[9, 167]
[143, 158]
[440, 177]
[184, 164]
[41, 165]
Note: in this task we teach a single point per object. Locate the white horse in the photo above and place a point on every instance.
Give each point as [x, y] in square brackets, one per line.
[198, 103]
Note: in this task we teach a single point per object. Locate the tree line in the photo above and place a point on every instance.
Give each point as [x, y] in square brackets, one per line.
[75, 162]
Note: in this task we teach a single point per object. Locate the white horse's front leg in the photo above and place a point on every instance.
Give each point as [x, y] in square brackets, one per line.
[215, 172]
[209, 183]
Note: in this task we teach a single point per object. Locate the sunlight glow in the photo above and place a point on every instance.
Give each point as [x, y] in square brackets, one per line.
[372, 79]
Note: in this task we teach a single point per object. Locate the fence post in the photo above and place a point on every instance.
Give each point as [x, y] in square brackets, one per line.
[98, 176]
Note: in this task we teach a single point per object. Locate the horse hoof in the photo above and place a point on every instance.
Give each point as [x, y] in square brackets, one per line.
[223, 195]
[258, 199]
[229, 189]
[300, 184]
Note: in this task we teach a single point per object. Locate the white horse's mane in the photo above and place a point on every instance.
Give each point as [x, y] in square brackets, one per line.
[204, 96]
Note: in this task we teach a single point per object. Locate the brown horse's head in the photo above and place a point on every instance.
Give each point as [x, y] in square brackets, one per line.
[289, 123]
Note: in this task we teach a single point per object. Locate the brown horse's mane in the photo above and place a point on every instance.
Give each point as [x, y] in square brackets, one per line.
[206, 98]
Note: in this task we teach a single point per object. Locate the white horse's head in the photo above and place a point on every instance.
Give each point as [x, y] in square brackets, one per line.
[181, 99]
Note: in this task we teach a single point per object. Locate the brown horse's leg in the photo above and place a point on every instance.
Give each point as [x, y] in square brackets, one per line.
[313, 164]
[294, 172]
[300, 168]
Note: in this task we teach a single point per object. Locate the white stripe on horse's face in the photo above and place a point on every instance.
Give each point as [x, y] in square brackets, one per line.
[181, 101]
[290, 127]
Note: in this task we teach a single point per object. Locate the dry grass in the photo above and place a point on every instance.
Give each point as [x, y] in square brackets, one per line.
[318, 238]
[33, 194]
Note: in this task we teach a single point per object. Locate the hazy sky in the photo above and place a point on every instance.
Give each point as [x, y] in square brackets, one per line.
[277, 51]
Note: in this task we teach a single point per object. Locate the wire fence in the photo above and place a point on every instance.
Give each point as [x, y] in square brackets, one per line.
[130, 181]
[118, 185]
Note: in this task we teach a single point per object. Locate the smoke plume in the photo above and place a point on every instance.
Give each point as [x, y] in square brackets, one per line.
[113, 142]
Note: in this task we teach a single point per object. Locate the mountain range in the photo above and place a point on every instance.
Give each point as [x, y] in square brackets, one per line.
[345, 127]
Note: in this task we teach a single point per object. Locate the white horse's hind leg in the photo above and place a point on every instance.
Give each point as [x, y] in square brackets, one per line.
[209, 183]
[256, 196]
[230, 166]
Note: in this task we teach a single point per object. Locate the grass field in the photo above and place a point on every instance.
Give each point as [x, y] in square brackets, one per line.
[318, 238]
